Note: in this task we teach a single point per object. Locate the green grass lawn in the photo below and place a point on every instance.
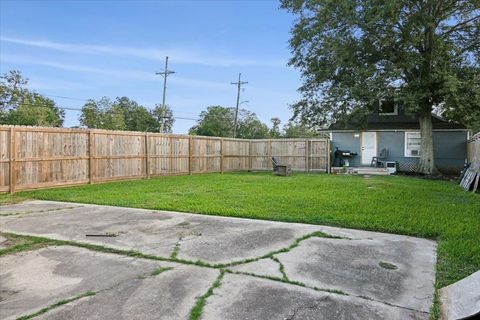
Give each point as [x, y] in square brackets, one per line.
[434, 209]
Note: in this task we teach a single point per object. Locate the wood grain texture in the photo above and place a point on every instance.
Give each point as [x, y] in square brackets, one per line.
[36, 157]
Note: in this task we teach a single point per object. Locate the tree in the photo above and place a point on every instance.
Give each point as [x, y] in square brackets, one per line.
[352, 53]
[92, 114]
[298, 130]
[163, 114]
[218, 121]
[275, 130]
[250, 127]
[20, 106]
[124, 114]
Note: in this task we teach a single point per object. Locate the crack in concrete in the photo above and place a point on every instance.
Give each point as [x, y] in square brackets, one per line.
[197, 309]
[296, 242]
[57, 305]
[222, 267]
[35, 211]
[176, 249]
[281, 267]
[63, 302]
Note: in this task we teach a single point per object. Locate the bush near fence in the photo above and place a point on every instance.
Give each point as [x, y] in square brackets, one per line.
[41, 157]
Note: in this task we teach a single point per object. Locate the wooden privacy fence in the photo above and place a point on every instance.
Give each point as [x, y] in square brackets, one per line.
[36, 157]
[473, 148]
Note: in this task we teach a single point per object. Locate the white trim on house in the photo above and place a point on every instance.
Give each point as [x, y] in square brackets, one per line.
[410, 153]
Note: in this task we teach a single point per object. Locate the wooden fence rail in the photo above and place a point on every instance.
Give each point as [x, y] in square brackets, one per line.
[37, 157]
[473, 148]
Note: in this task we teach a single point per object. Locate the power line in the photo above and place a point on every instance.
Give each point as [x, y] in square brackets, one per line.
[239, 86]
[77, 109]
[64, 97]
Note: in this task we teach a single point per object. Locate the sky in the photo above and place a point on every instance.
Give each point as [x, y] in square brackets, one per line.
[82, 50]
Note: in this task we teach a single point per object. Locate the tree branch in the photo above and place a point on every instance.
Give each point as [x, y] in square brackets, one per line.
[460, 25]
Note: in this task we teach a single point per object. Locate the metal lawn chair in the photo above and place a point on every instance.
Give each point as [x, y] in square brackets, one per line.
[280, 169]
[379, 161]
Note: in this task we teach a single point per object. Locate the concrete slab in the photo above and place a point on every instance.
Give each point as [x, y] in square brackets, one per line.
[397, 272]
[461, 300]
[390, 269]
[263, 267]
[212, 239]
[241, 297]
[169, 295]
[3, 242]
[33, 280]
[35, 206]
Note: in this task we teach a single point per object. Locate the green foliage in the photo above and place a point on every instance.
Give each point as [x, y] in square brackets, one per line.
[353, 53]
[20, 106]
[216, 121]
[219, 121]
[298, 130]
[275, 130]
[164, 113]
[250, 127]
[125, 114]
[425, 54]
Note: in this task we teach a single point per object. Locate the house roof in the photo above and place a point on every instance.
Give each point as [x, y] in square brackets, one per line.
[392, 122]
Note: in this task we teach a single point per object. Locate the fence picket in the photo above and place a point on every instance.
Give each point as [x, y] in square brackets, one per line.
[50, 157]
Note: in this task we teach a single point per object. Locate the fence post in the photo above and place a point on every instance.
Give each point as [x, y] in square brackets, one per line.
[306, 155]
[170, 158]
[269, 154]
[12, 161]
[147, 156]
[221, 155]
[329, 167]
[249, 155]
[91, 144]
[190, 151]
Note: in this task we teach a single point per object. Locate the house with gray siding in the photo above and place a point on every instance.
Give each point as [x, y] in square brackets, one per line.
[389, 129]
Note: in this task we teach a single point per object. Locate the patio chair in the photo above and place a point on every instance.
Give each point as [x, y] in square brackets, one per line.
[379, 161]
[280, 169]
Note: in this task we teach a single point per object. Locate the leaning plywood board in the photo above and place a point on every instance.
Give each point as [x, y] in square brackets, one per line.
[470, 175]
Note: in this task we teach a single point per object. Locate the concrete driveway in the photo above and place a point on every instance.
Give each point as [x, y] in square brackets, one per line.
[168, 265]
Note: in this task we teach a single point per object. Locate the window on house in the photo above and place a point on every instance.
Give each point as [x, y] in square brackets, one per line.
[388, 108]
[412, 144]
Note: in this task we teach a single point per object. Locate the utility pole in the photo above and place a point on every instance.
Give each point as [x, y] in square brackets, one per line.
[165, 73]
[239, 86]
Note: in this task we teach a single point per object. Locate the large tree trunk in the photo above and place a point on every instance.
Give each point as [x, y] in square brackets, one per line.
[427, 162]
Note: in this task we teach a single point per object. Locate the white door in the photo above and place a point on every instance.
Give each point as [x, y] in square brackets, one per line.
[369, 147]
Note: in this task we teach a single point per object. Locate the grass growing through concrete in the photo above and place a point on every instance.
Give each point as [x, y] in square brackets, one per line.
[197, 309]
[159, 270]
[56, 305]
[271, 254]
[16, 243]
[435, 209]
[281, 267]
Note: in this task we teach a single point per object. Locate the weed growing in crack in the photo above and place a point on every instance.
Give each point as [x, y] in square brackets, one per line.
[159, 270]
[281, 267]
[269, 255]
[292, 282]
[197, 309]
[175, 251]
[57, 304]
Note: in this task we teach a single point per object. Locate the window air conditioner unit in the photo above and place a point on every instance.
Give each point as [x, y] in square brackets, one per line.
[415, 152]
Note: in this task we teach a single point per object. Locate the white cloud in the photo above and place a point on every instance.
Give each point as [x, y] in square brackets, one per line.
[124, 74]
[181, 55]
